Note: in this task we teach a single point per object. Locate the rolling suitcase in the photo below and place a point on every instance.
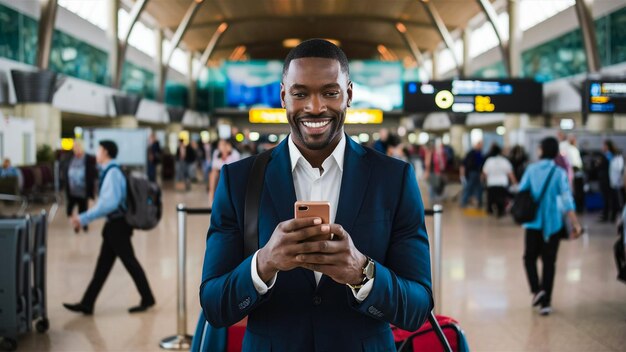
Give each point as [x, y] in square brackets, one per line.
[14, 283]
[22, 277]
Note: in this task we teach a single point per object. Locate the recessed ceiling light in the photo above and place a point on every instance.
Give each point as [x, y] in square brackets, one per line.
[291, 42]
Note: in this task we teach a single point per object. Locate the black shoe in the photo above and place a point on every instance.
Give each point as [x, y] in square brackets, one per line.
[141, 308]
[546, 309]
[79, 308]
[85, 229]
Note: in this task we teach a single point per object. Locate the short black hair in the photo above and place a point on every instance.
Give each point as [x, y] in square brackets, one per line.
[549, 148]
[110, 147]
[317, 48]
[495, 150]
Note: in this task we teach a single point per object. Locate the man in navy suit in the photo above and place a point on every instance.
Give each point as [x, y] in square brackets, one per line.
[305, 289]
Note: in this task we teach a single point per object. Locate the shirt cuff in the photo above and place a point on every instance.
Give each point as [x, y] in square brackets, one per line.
[364, 291]
[260, 286]
[84, 219]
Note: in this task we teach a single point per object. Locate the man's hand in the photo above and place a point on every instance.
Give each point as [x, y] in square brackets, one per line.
[339, 259]
[75, 221]
[279, 254]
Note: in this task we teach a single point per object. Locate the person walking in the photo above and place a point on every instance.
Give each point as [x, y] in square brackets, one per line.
[498, 174]
[116, 234]
[80, 177]
[542, 235]
[154, 157]
[470, 173]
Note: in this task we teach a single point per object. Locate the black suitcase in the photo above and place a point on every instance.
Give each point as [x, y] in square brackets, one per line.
[22, 277]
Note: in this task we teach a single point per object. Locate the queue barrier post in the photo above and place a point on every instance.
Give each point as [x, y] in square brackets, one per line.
[436, 213]
[182, 340]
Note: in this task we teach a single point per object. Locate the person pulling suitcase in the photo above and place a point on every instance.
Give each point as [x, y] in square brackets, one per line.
[116, 234]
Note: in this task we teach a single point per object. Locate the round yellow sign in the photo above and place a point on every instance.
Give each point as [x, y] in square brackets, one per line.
[444, 99]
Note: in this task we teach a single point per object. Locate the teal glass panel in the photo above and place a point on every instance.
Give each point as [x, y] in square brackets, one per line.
[561, 57]
[617, 36]
[18, 36]
[176, 94]
[211, 89]
[75, 58]
[495, 70]
[137, 80]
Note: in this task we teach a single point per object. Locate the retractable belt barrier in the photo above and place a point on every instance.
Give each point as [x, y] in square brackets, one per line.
[182, 340]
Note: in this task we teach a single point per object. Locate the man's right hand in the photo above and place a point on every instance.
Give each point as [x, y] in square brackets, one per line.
[279, 254]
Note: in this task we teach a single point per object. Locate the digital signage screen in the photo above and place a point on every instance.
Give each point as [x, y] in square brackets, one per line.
[474, 96]
[605, 97]
[256, 83]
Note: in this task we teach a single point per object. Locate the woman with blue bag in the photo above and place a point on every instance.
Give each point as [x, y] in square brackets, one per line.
[550, 188]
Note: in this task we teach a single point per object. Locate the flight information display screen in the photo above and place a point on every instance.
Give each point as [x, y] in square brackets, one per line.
[471, 96]
[605, 97]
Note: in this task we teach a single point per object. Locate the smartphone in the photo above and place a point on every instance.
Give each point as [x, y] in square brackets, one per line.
[314, 209]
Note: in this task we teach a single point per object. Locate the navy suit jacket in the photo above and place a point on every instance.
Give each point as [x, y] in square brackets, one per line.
[379, 206]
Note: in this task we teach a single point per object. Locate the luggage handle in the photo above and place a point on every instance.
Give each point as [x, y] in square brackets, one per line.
[438, 331]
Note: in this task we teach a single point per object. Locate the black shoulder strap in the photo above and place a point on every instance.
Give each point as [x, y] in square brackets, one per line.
[252, 202]
[545, 185]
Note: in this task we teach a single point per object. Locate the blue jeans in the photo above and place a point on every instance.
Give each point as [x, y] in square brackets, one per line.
[473, 188]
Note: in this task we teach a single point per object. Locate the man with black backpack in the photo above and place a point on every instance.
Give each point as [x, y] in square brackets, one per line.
[116, 233]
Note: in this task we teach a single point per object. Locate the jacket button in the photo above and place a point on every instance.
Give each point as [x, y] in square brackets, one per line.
[317, 300]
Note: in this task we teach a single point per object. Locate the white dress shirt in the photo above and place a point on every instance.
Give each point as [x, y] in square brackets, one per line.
[313, 184]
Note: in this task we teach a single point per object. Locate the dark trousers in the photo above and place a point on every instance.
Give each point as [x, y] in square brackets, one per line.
[473, 188]
[76, 201]
[536, 247]
[116, 242]
[617, 203]
[579, 193]
[496, 198]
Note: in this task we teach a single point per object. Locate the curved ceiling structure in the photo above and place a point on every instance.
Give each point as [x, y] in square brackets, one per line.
[361, 26]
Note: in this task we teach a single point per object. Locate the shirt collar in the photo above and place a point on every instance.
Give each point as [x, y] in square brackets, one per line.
[337, 154]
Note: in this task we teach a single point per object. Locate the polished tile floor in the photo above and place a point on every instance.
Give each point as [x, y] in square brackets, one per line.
[484, 287]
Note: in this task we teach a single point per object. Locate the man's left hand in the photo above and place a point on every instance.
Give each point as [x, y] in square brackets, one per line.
[338, 258]
[75, 221]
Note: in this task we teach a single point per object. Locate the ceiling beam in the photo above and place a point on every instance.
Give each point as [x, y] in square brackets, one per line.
[492, 17]
[278, 43]
[410, 43]
[440, 26]
[312, 18]
[206, 55]
[175, 42]
[135, 12]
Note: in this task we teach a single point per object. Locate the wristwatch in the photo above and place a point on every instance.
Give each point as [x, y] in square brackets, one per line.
[369, 271]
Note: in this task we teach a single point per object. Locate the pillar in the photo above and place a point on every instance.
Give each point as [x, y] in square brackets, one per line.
[113, 41]
[47, 122]
[433, 58]
[191, 83]
[465, 69]
[125, 121]
[172, 131]
[456, 139]
[158, 63]
[599, 122]
[515, 39]
[619, 122]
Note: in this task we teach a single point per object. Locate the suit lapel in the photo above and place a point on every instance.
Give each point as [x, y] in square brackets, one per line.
[354, 181]
[279, 185]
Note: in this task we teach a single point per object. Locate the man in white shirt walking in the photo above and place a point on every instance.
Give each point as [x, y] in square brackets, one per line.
[498, 171]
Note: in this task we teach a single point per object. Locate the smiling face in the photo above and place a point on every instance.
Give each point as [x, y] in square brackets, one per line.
[316, 92]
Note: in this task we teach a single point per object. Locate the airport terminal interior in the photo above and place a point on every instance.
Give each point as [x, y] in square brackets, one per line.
[473, 94]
